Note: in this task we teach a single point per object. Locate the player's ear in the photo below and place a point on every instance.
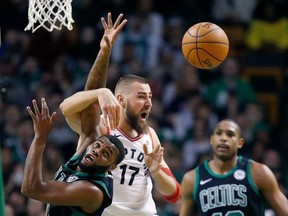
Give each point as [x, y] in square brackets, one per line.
[211, 139]
[241, 143]
[120, 99]
[112, 167]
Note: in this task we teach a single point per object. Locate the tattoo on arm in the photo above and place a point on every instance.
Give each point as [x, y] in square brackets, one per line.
[97, 77]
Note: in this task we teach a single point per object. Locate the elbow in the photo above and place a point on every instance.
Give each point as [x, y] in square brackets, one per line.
[24, 187]
[62, 107]
[65, 108]
[26, 191]
[30, 191]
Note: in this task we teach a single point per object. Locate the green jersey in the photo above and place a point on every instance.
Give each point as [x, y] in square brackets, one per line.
[68, 173]
[230, 194]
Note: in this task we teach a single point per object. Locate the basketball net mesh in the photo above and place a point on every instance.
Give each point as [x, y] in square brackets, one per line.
[50, 14]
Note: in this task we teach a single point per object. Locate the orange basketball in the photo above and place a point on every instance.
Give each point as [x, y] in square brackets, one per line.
[205, 45]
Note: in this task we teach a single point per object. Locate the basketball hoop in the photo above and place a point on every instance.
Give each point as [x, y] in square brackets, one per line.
[49, 14]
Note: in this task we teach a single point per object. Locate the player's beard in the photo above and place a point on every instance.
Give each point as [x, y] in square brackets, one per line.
[133, 121]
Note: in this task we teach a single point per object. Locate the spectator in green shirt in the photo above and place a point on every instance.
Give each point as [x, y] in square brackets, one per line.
[229, 94]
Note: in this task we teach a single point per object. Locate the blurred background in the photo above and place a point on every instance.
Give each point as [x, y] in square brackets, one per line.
[250, 86]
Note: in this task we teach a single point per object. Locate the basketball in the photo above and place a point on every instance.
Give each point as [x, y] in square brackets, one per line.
[205, 45]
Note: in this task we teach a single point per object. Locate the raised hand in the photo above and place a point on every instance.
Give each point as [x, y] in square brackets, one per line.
[153, 159]
[111, 30]
[42, 121]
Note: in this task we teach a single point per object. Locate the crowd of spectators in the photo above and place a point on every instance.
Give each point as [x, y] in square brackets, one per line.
[187, 102]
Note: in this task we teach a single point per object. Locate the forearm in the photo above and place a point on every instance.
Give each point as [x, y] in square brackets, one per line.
[78, 102]
[167, 185]
[97, 77]
[32, 180]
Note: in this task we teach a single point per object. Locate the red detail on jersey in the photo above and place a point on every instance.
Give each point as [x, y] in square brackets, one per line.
[173, 198]
[130, 138]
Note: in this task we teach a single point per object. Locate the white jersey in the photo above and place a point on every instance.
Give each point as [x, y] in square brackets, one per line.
[132, 184]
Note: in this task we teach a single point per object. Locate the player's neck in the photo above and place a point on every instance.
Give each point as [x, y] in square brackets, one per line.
[128, 130]
[222, 167]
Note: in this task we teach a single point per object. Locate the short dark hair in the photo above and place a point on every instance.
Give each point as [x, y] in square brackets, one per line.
[126, 80]
[238, 128]
[119, 145]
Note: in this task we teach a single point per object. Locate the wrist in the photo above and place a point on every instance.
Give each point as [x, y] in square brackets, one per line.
[40, 137]
[105, 50]
[155, 173]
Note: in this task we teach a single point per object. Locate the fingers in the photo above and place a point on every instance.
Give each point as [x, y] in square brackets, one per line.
[145, 149]
[106, 121]
[123, 23]
[53, 117]
[36, 110]
[110, 108]
[114, 117]
[110, 23]
[44, 110]
[30, 113]
[104, 24]
[153, 160]
[117, 116]
[157, 149]
[111, 117]
[119, 18]
[117, 25]
[109, 20]
[110, 120]
[157, 153]
[160, 154]
[105, 117]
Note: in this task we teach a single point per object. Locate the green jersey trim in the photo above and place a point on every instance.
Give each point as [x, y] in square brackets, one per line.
[250, 179]
[82, 174]
[206, 164]
[196, 183]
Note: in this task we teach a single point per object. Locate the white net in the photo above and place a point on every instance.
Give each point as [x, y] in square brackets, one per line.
[50, 14]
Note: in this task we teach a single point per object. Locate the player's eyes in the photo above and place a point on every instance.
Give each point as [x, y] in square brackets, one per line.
[218, 133]
[97, 145]
[230, 134]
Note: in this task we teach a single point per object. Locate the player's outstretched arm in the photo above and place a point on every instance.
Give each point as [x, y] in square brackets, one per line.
[267, 183]
[42, 125]
[80, 193]
[98, 74]
[97, 77]
[187, 186]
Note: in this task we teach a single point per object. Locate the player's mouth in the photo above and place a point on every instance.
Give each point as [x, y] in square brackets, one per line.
[223, 147]
[144, 115]
[89, 158]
